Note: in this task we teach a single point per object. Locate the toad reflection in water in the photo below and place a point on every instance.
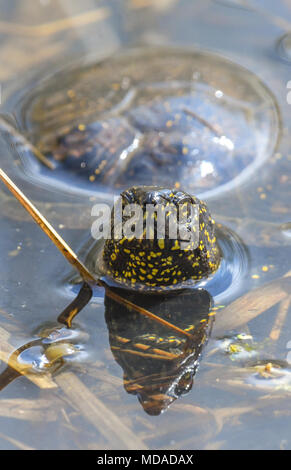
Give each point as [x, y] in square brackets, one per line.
[159, 364]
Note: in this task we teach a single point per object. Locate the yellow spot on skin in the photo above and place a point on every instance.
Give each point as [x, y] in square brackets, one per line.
[263, 196]
[169, 123]
[92, 178]
[185, 150]
[81, 127]
[177, 185]
[265, 268]
[176, 246]
[161, 243]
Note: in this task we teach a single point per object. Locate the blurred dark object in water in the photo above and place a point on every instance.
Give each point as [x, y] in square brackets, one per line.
[159, 365]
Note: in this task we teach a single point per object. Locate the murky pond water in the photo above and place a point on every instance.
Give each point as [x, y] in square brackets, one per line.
[202, 84]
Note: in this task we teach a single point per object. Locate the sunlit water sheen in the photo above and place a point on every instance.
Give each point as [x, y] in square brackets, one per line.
[240, 393]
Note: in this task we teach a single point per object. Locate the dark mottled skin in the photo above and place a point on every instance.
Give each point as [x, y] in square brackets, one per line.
[157, 264]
